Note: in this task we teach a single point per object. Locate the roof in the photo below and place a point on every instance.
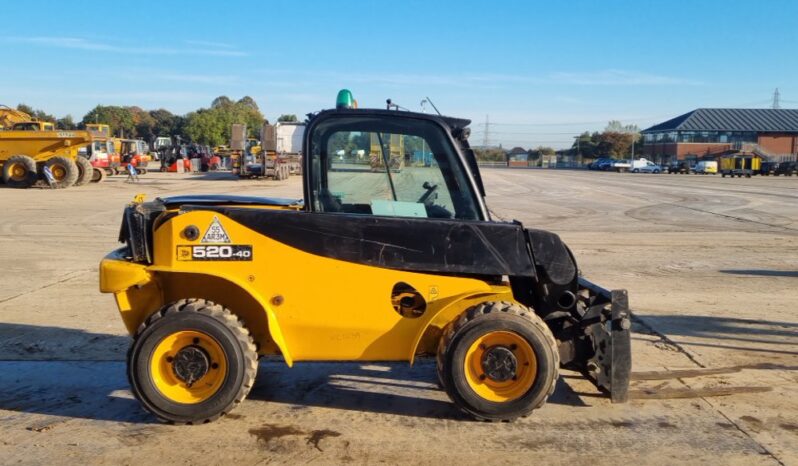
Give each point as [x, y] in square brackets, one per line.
[762, 120]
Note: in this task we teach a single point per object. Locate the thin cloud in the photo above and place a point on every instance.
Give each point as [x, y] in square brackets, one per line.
[199, 79]
[614, 77]
[78, 43]
[207, 43]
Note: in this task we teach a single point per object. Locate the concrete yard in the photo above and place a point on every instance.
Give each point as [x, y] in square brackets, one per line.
[711, 265]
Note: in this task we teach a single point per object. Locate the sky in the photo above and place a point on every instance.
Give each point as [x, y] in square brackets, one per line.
[538, 72]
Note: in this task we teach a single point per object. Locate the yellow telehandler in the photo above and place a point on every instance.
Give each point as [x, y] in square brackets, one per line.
[369, 266]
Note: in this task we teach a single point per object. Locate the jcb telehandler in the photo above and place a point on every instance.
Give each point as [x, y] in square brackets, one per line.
[370, 266]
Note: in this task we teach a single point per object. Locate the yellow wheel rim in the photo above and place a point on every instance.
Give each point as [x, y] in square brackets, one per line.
[58, 171]
[18, 172]
[173, 355]
[519, 366]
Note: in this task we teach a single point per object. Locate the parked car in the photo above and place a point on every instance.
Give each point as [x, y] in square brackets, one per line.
[787, 168]
[596, 164]
[679, 166]
[645, 166]
[706, 167]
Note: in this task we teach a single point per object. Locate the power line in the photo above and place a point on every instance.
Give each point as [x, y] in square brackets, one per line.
[528, 132]
[486, 136]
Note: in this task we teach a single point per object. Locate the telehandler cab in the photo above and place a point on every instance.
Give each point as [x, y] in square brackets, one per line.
[370, 266]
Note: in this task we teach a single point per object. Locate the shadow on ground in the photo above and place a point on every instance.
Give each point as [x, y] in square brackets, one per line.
[750, 335]
[761, 272]
[78, 386]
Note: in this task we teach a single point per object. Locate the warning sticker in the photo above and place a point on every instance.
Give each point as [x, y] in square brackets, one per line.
[216, 233]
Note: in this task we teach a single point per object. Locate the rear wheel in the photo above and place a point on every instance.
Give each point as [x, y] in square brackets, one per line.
[192, 362]
[85, 171]
[98, 175]
[64, 170]
[19, 171]
[498, 362]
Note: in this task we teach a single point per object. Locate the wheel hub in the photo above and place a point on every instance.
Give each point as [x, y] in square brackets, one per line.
[499, 363]
[191, 364]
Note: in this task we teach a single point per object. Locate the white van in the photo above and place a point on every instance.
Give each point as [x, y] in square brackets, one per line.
[645, 166]
[706, 166]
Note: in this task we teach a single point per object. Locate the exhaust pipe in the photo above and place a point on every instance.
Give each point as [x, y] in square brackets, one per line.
[567, 300]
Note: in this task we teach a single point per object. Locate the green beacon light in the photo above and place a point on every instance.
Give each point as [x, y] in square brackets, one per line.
[345, 100]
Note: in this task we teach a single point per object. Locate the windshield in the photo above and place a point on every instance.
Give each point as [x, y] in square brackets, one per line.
[391, 167]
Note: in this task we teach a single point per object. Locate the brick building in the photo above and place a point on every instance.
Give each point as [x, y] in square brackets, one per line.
[708, 133]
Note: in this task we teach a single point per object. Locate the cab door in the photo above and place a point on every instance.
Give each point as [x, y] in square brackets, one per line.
[392, 218]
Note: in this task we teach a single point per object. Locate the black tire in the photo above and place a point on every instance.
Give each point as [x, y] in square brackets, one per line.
[64, 169]
[98, 175]
[19, 171]
[481, 320]
[211, 319]
[85, 171]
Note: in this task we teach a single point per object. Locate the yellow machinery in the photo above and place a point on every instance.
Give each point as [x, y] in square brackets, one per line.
[99, 130]
[254, 146]
[368, 267]
[388, 147]
[740, 164]
[28, 147]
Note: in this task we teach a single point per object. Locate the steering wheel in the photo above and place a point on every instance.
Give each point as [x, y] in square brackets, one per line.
[427, 198]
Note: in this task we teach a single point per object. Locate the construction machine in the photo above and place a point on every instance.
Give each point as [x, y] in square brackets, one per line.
[740, 164]
[134, 152]
[393, 145]
[31, 149]
[392, 265]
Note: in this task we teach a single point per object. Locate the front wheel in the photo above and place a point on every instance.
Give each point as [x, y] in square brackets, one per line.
[191, 362]
[498, 362]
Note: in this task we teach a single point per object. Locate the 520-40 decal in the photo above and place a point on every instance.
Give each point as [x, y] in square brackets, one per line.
[227, 252]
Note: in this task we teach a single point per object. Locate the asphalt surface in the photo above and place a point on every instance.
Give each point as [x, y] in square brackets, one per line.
[711, 266]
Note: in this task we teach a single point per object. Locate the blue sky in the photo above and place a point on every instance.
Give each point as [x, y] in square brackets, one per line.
[541, 70]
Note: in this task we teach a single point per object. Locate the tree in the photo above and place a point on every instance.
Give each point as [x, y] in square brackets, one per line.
[165, 123]
[120, 119]
[26, 109]
[285, 118]
[221, 101]
[615, 126]
[490, 154]
[586, 145]
[65, 123]
[615, 144]
[36, 113]
[249, 102]
[212, 126]
[546, 150]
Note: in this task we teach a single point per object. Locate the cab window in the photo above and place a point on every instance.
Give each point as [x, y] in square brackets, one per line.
[376, 166]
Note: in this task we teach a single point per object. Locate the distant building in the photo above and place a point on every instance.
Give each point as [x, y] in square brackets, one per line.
[518, 157]
[707, 133]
